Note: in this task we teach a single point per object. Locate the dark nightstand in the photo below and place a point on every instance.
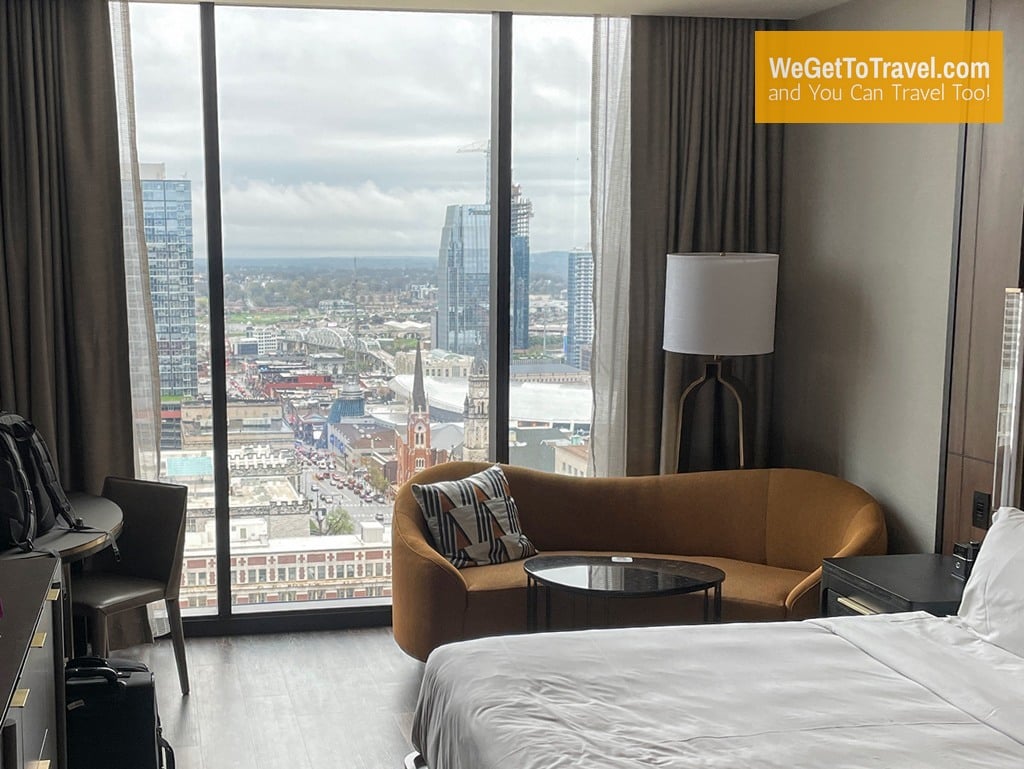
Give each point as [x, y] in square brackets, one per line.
[880, 584]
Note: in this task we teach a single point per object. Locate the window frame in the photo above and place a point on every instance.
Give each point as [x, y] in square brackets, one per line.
[228, 619]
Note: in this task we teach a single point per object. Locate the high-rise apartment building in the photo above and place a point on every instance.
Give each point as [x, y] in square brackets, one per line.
[579, 334]
[522, 210]
[167, 219]
[464, 266]
[463, 277]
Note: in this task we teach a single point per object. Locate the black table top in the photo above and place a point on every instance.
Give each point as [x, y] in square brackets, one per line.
[914, 577]
[103, 520]
[622, 575]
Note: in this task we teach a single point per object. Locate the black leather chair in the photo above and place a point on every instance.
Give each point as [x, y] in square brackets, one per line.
[151, 545]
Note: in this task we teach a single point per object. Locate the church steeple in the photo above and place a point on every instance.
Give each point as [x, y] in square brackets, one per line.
[477, 422]
[415, 452]
[419, 395]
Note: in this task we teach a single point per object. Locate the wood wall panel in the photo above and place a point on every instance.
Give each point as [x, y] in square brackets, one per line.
[988, 263]
[977, 475]
[964, 296]
[954, 487]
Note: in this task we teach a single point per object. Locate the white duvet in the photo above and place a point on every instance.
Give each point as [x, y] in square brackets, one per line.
[898, 691]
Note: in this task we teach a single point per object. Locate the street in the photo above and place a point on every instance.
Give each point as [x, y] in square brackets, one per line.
[328, 493]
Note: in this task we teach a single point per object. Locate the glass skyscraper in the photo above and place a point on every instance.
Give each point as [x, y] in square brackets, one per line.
[463, 279]
[579, 334]
[167, 219]
[464, 266]
[522, 210]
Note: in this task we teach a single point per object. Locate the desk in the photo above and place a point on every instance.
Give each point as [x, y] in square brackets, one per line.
[103, 521]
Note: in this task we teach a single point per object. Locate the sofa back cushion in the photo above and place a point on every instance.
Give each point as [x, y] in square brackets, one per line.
[812, 516]
[720, 514]
[781, 517]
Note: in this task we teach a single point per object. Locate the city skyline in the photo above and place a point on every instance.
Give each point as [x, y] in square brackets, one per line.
[362, 143]
[315, 163]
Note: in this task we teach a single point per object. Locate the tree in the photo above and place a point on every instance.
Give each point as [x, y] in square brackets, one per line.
[338, 521]
[377, 479]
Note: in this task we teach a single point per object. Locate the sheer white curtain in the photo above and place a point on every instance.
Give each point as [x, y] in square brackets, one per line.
[145, 370]
[610, 151]
[142, 625]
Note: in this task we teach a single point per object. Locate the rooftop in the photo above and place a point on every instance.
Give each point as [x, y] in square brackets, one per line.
[197, 548]
[528, 401]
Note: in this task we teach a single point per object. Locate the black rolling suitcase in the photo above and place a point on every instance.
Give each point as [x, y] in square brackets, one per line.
[111, 716]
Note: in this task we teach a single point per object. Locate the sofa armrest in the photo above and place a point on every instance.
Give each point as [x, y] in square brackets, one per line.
[865, 535]
[428, 593]
[802, 601]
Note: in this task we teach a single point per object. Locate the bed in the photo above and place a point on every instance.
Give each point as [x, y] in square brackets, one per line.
[898, 691]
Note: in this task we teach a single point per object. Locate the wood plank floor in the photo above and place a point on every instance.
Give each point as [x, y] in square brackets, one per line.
[290, 701]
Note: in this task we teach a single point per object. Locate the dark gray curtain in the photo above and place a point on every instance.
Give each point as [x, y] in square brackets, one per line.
[705, 177]
[63, 319]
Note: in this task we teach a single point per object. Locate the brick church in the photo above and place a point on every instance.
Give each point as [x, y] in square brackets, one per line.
[413, 450]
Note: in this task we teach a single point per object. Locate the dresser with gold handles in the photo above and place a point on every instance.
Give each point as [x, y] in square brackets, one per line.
[32, 732]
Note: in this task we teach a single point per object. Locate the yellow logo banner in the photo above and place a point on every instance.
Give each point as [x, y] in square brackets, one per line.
[878, 77]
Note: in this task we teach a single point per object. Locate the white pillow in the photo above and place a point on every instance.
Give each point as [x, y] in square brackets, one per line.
[993, 602]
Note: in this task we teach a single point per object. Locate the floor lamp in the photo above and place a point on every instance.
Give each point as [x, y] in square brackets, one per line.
[721, 305]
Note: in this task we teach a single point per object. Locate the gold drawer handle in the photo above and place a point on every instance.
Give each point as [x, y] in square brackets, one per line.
[20, 698]
[53, 594]
[39, 640]
[856, 606]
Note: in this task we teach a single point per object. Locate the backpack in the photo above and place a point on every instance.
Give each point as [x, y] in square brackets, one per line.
[31, 497]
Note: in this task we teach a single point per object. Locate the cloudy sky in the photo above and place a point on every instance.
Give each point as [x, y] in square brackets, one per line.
[341, 130]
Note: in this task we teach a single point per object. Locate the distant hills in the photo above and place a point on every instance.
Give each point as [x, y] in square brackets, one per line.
[333, 263]
[550, 262]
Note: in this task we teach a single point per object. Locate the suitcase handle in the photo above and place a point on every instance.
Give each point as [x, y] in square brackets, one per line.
[87, 662]
[168, 751]
[117, 663]
[104, 672]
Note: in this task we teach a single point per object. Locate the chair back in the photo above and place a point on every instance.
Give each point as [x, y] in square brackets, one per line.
[152, 540]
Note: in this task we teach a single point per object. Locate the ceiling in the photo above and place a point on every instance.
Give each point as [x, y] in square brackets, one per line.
[760, 9]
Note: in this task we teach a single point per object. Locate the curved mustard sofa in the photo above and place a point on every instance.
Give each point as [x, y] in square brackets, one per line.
[768, 530]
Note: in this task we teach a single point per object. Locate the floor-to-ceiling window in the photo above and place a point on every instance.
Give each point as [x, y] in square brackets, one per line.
[349, 194]
[552, 327]
[168, 104]
[354, 243]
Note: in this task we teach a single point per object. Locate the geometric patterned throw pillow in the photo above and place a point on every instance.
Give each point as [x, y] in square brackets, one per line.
[474, 520]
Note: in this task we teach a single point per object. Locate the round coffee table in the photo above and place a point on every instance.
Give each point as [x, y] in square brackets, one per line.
[619, 576]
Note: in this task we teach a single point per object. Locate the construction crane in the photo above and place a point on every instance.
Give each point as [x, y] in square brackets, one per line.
[484, 146]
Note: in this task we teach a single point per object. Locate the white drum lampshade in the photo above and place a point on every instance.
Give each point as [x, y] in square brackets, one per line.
[720, 303]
